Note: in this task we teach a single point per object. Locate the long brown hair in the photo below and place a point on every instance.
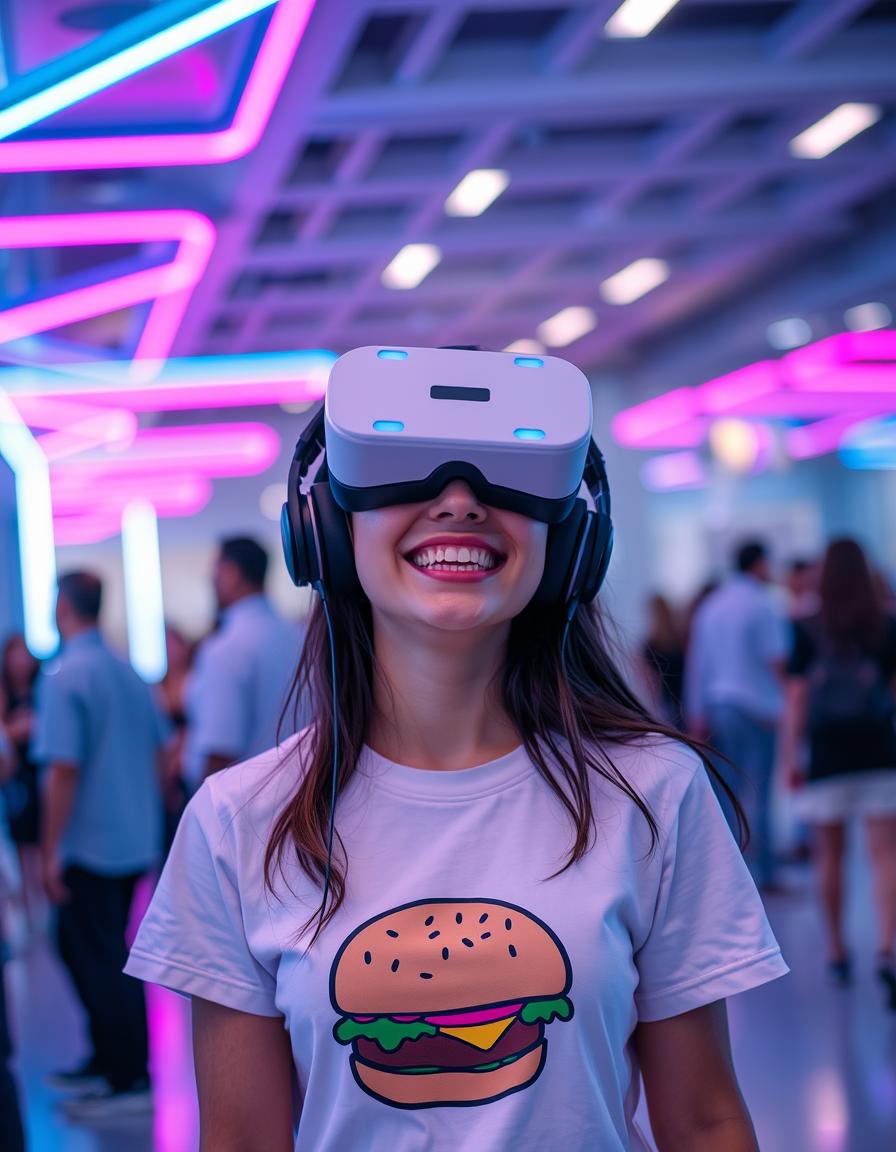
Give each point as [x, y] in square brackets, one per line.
[851, 612]
[566, 703]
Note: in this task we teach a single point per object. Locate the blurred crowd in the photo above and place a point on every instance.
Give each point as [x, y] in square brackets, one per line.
[96, 768]
[794, 683]
[791, 682]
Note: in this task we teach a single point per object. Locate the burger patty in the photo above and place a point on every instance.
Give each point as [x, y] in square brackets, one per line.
[443, 1051]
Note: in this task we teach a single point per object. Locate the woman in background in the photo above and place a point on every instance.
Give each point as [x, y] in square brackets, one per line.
[842, 695]
[663, 659]
[18, 675]
[172, 692]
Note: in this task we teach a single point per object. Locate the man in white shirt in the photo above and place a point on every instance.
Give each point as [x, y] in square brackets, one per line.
[243, 671]
[734, 690]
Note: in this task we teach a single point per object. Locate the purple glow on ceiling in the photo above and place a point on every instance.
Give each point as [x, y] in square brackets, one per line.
[168, 286]
[675, 471]
[836, 382]
[262, 88]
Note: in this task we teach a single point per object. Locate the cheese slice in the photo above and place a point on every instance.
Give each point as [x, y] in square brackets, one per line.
[480, 1035]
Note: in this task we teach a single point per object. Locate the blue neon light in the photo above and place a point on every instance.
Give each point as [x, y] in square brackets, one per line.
[528, 433]
[388, 426]
[391, 354]
[528, 362]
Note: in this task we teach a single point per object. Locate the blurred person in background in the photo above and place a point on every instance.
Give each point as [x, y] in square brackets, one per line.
[734, 692]
[99, 735]
[840, 693]
[690, 613]
[801, 586]
[662, 656]
[12, 1138]
[243, 670]
[18, 675]
[172, 691]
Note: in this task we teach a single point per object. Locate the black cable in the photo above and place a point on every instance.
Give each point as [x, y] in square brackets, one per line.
[323, 599]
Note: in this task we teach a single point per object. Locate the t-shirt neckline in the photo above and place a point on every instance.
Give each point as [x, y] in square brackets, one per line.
[457, 784]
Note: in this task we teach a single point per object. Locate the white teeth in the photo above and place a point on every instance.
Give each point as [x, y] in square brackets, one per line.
[449, 558]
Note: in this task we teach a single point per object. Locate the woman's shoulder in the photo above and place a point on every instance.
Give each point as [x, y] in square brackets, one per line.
[254, 791]
[659, 768]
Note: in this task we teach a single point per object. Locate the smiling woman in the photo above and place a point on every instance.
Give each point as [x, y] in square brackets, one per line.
[523, 886]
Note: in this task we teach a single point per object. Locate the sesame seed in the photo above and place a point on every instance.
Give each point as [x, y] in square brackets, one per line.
[511, 950]
[469, 943]
[394, 965]
[367, 958]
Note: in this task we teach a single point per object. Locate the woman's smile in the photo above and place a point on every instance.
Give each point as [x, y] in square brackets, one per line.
[462, 559]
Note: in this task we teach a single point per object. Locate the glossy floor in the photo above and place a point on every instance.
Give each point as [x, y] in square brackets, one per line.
[817, 1065]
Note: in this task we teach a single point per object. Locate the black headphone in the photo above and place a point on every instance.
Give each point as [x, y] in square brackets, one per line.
[318, 548]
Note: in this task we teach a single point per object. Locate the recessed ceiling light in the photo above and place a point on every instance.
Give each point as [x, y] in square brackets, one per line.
[272, 500]
[638, 17]
[525, 348]
[634, 281]
[867, 317]
[832, 131]
[791, 332]
[412, 265]
[477, 191]
[566, 326]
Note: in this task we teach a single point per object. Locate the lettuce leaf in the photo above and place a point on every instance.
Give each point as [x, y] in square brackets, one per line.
[389, 1034]
[546, 1010]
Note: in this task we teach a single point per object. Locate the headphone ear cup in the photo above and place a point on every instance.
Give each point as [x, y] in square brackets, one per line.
[288, 540]
[562, 549]
[333, 542]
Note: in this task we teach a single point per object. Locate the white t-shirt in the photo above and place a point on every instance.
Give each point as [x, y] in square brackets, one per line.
[518, 994]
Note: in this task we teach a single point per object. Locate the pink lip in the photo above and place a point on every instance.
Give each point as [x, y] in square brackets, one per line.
[457, 542]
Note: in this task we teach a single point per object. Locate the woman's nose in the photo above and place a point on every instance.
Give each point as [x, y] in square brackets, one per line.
[457, 501]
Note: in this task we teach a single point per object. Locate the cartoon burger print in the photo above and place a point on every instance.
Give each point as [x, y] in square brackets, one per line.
[445, 1002]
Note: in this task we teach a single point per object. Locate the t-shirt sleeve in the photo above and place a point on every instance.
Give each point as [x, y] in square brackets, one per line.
[60, 728]
[193, 937]
[710, 937]
[803, 652]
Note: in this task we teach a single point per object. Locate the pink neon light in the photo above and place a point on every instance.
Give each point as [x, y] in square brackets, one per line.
[173, 395]
[820, 438]
[634, 426]
[182, 495]
[242, 449]
[851, 348]
[75, 530]
[175, 280]
[272, 63]
[113, 429]
[729, 393]
[845, 377]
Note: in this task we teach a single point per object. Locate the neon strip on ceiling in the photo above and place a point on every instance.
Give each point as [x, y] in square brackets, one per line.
[195, 236]
[262, 88]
